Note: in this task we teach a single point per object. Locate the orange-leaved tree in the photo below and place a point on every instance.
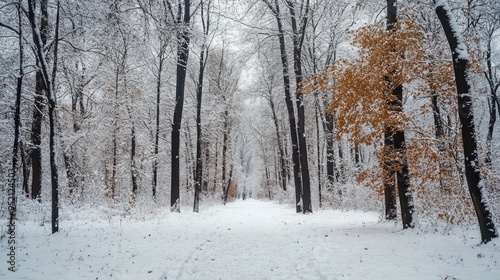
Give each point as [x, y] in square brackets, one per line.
[367, 98]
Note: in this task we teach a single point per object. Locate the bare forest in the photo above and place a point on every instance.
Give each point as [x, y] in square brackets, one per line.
[127, 109]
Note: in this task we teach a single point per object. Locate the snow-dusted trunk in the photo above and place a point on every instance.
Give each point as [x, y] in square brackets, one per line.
[318, 150]
[182, 59]
[493, 100]
[289, 105]
[39, 48]
[133, 161]
[389, 182]
[225, 185]
[157, 124]
[332, 173]
[395, 163]
[198, 179]
[281, 153]
[38, 108]
[298, 39]
[461, 62]
[199, 163]
[402, 176]
[17, 124]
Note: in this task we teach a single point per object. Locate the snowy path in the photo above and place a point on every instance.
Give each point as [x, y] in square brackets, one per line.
[249, 240]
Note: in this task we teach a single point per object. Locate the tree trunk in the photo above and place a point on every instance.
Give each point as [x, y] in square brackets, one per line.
[472, 169]
[298, 38]
[26, 170]
[69, 161]
[157, 125]
[318, 151]
[493, 108]
[199, 163]
[439, 133]
[331, 169]
[389, 182]
[402, 177]
[36, 126]
[281, 153]
[215, 164]
[112, 187]
[39, 47]
[206, 175]
[289, 106]
[226, 188]
[268, 182]
[182, 59]
[133, 162]
[224, 154]
[12, 201]
[198, 180]
[388, 179]
[396, 146]
[36, 139]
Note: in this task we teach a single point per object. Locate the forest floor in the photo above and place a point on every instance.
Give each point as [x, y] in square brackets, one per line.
[247, 240]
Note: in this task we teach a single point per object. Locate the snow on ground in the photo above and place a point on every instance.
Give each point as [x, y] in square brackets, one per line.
[248, 240]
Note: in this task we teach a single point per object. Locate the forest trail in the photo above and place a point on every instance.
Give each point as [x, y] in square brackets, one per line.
[249, 240]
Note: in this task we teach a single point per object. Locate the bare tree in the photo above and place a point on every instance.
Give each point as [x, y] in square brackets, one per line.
[205, 21]
[300, 15]
[182, 19]
[49, 89]
[461, 63]
[276, 11]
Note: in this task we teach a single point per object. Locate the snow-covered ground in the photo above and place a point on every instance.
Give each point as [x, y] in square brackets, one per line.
[248, 240]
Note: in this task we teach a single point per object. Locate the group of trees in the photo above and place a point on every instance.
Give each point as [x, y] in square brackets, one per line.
[98, 78]
[128, 102]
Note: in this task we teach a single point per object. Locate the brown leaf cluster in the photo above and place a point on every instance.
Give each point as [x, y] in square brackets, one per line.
[361, 91]
[362, 88]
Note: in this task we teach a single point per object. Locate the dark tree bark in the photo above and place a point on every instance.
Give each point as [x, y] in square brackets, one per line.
[281, 153]
[157, 125]
[395, 147]
[133, 163]
[318, 151]
[198, 180]
[206, 175]
[227, 185]
[25, 161]
[120, 68]
[438, 121]
[438, 132]
[275, 9]
[402, 176]
[357, 155]
[298, 39]
[268, 182]
[493, 100]
[69, 161]
[199, 163]
[216, 160]
[341, 174]
[332, 173]
[12, 203]
[39, 48]
[182, 59]
[224, 155]
[389, 182]
[38, 108]
[472, 169]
